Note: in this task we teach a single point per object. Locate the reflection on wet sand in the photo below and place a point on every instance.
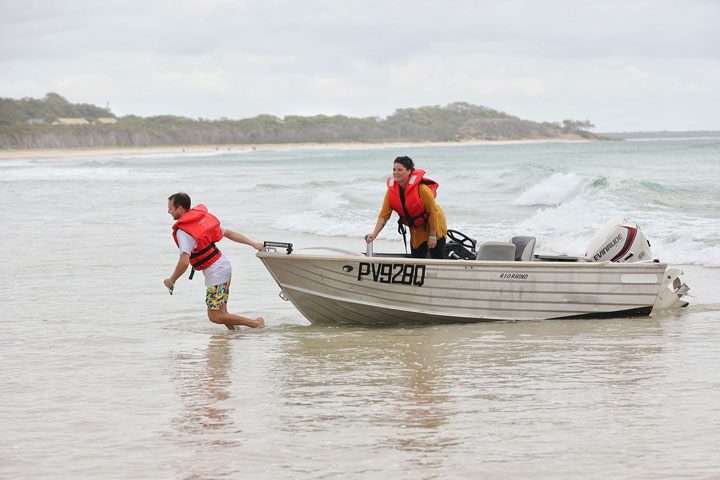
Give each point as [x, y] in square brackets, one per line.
[422, 392]
[203, 425]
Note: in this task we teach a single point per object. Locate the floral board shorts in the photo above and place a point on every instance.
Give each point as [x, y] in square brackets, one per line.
[217, 295]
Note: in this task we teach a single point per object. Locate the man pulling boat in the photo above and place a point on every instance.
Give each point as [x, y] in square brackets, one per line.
[196, 232]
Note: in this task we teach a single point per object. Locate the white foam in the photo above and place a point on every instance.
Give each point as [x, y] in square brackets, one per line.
[327, 200]
[71, 173]
[321, 223]
[553, 190]
[687, 253]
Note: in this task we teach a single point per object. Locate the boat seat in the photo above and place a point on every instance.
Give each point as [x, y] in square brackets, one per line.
[498, 251]
[524, 248]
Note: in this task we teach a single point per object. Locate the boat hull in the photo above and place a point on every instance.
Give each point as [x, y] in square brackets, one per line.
[377, 290]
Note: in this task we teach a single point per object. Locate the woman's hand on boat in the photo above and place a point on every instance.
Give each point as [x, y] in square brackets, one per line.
[370, 237]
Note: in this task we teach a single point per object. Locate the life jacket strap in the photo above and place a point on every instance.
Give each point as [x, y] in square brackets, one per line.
[204, 255]
[407, 219]
[413, 221]
[402, 231]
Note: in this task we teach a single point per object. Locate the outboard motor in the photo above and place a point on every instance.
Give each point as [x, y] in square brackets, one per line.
[619, 240]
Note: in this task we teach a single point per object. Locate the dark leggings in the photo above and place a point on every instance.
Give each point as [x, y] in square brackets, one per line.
[437, 252]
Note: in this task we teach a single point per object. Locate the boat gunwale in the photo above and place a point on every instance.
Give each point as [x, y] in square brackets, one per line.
[470, 263]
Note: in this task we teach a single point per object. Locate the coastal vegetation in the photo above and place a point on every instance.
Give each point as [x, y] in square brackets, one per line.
[52, 122]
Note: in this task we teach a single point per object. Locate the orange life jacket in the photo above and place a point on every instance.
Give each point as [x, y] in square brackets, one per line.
[409, 207]
[205, 229]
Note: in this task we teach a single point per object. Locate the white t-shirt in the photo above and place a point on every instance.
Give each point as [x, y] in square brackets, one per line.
[217, 273]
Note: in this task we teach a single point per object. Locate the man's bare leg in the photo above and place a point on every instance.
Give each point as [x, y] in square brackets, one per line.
[222, 317]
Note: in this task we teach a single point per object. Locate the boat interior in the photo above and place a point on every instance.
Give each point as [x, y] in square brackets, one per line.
[461, 247]
[519, 249]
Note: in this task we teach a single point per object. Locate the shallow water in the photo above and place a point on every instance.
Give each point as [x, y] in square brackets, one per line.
[104, 375]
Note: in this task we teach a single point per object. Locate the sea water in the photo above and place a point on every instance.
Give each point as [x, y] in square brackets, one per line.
[105, 375]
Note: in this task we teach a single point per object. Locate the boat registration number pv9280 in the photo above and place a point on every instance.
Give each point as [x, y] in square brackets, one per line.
[403, 273]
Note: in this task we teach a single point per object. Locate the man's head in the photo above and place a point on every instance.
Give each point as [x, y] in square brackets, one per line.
[178, 204]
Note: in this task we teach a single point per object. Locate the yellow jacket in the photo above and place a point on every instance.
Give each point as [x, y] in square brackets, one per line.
[436, 219]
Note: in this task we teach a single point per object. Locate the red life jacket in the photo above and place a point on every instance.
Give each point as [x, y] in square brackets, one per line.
[409, 207]
[205, 229]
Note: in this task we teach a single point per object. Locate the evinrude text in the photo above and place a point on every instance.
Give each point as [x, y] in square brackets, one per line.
[608, 247]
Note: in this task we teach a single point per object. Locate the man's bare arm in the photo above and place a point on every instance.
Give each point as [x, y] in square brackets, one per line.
[240, 238]
[180, 268]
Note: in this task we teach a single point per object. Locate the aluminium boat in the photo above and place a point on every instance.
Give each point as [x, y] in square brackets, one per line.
[505, 281]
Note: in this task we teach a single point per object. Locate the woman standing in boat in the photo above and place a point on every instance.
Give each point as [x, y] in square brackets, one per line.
[413, 198]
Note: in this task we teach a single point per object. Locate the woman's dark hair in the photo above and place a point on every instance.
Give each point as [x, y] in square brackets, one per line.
[405, 162]
[180, 199]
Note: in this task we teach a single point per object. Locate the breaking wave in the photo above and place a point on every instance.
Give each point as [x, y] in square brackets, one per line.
[554, 190]
[558, 194]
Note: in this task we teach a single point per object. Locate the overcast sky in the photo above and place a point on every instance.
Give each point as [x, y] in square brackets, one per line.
[625, 65]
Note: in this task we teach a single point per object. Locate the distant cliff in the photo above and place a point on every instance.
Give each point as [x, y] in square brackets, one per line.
[48, 123]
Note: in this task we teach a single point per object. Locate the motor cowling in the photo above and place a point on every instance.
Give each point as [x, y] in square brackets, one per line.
[619, 240]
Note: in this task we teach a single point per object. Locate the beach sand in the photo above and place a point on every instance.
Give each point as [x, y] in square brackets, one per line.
[39, 153]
